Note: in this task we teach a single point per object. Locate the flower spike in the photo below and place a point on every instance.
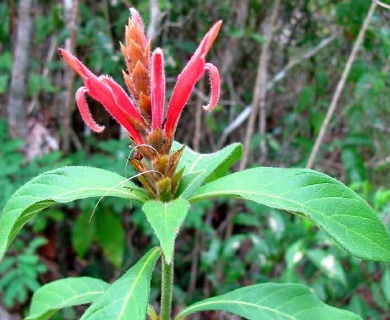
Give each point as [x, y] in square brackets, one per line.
[137, 56]
[139, 25]
[143, 113]
[189, 76]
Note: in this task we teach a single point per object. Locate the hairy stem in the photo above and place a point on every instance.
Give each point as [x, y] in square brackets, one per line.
[166, 290]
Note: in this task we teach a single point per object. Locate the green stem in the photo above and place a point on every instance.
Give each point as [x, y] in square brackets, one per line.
[166, 290]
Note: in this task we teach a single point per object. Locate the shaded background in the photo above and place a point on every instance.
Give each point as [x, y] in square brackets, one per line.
[280, 63]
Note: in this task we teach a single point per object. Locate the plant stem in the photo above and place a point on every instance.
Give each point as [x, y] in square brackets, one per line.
[166, 289]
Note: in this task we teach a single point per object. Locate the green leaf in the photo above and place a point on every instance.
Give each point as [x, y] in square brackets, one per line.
[127, 297]
[166, 219]
[3, 83]
[38, 83]
[306, 98]
[358, 305]
[336, 209]
[111, 236]
[328, 264]
[271, 301]
[385, 284]
[258, 37]
[64, 293]
[294, 254]
[203, 168]
[61, 186]
[83, 232]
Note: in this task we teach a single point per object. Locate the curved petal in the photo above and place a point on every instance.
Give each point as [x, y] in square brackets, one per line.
[109, 94]
[215, 86]
[122, 99]
[158, 89]
[84, 111]
[187, 79]
[208, 40]
[102, 92]
[75, 64]
[98, 85]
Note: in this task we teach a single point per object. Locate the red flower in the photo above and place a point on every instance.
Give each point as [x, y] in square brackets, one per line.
[191, 74]
[144, 118]
[109, 94]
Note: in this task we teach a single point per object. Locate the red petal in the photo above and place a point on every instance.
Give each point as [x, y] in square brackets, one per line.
[109, 94]
[215, 86]
[187, 79]
[84, 111]
[75, 64]
[101, 91]
[122, 99]
[157, 89]
[208, 40]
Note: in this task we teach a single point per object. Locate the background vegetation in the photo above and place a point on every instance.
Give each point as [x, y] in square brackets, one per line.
[280, 62]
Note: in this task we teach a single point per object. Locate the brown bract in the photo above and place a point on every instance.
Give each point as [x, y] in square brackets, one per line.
[137, 56]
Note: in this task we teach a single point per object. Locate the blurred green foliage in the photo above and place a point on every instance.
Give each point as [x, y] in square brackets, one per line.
[216, 251]
[19, 273]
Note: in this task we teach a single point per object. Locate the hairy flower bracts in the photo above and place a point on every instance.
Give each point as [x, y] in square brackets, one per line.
[150, 125]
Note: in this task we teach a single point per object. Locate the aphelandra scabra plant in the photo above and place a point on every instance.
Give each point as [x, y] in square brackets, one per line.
[170, 178]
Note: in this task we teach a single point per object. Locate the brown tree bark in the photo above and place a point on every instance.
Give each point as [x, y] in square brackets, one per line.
[260, 91]
[16, 107]
[71, 12]
[155, 20]
[230, 52]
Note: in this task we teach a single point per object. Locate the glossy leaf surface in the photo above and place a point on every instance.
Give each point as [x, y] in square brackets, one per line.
[64, 293]
[333, 207]
[271, 301]
[61, 186]
[166, 219]
[328, 264]
[127, 298]
[201, 168]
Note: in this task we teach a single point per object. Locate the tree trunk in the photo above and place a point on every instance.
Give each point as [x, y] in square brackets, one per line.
[71, 12]
[260, 91]
[16, 107]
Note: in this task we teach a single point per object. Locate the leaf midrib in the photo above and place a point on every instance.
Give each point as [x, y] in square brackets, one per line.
[235, 302]
[128, 297]
[325, 217]
[64, 302]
